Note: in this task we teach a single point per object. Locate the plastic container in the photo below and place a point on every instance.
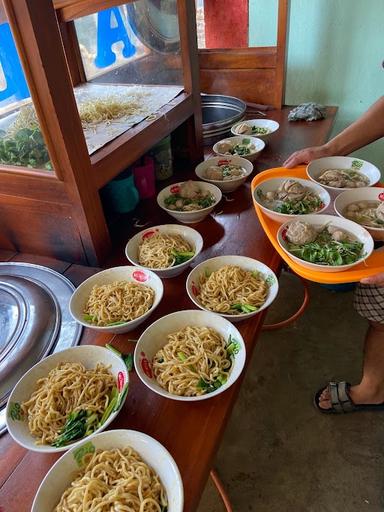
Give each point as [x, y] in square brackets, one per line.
[162, 155]
[144, 176]
[120, 195]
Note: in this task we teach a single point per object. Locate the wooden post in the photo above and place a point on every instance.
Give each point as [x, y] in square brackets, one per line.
[37, 36]
[187, 26]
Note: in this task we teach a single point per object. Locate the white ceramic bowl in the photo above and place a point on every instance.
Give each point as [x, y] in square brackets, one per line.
[124, 273]
[319, 221]
[274, 183]
[361, 194]
[244, 262]
[65, 470]
[192, 236]
[238, 139]
[155, 337]
[194, 216]
[230, 185]
[89, 356]
[271, 125]
[317, 167]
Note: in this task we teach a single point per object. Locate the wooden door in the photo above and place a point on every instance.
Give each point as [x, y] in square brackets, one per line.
[229, 66]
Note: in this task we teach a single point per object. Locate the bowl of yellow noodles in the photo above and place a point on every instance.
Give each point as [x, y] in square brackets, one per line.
[167, 250]
[235, 287]
[91, 476]
[117, 299]
[66, 398]
[190, 355]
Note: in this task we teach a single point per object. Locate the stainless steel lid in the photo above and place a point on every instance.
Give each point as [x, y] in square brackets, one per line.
[34, 321]
[29, 322]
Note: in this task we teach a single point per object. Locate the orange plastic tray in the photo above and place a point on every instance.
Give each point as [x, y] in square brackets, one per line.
[372, 265]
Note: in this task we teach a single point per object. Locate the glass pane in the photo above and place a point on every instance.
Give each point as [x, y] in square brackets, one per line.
[241, 24]
[137, 43]
[21, 140]
[132, 60]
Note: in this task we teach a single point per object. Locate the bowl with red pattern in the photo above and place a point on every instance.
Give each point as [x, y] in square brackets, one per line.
[178, 264]
[87, 355]
[127, 273]
[155, 337]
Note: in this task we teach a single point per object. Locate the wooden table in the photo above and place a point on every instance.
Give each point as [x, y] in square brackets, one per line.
[190, 431]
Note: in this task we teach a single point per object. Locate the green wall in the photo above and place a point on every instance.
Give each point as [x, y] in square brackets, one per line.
[334, 55]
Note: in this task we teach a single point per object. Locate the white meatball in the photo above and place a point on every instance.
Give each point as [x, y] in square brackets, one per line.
[214, 173]
[339, 235]
[351, 208]
[380, 211]
[224, 147]
[300, 233]
[190, 189]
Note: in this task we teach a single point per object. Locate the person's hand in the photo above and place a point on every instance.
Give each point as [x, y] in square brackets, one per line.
[304, 156]
[377, 279]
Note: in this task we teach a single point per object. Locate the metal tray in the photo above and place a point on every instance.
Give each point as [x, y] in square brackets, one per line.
[34, 321]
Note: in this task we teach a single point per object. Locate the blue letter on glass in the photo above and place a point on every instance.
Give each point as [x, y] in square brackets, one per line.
[16, 84]
[108, 35]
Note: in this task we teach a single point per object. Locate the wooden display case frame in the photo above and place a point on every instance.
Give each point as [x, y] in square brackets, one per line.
[60, 214]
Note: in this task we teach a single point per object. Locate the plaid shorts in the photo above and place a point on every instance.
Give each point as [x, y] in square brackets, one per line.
[369, 302]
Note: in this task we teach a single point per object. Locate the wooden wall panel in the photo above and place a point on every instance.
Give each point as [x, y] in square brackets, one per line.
[40, 227]
[254, 85]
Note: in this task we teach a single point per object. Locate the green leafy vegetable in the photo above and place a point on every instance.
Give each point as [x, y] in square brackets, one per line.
[113, 349]
[244, 308]
[259, 130]
[327, 251]
[15, 411]
[182, 257]
[26, 147]
[111, 406]
[233, 346]
[127, 358]
[78, 425]
[182, 356]
[209, 387]
[89, 318]
[80, 452]
[299, 207]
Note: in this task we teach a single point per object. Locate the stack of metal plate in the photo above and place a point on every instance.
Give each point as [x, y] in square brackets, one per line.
[34, 321]
[220, 113]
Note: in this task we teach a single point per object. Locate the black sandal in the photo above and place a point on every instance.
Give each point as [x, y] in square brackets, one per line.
[341, 402]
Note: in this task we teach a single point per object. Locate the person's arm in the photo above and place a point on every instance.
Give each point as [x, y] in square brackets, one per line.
[368, 128]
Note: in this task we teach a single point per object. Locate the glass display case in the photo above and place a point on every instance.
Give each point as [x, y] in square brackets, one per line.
[86, 88]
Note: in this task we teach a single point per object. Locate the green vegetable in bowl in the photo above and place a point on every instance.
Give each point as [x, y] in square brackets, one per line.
[259, 130]
[78, 425]
[302, 207]
[326, 250]
[182, 257]
[244, 308]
